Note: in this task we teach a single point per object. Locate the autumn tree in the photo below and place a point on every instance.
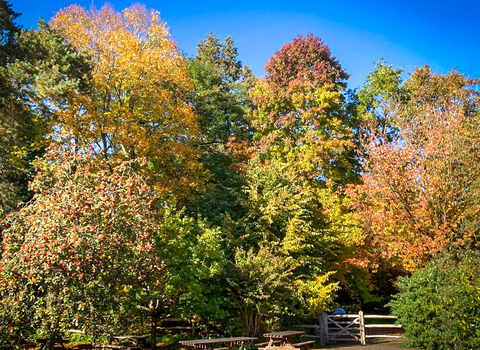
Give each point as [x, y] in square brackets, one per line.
[305, 157]
[137, 101]
[420, 191]
[92, 226]
[305, 145]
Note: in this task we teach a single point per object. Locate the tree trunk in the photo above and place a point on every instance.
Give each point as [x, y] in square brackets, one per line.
[153, 332]
[50, 343]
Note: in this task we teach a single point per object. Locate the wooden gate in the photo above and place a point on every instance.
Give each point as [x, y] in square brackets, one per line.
[349, 327]
[342, 327]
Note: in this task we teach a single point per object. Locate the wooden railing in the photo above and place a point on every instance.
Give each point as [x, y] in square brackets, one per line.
[349, 327]
[382, 325]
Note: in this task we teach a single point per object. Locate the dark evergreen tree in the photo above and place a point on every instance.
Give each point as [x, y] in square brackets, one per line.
[221, 101]
[13, 117]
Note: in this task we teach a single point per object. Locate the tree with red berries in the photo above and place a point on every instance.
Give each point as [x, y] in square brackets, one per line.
[85, 244]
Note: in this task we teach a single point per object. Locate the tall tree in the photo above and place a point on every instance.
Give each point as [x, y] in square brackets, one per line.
[43, 72]
[137, 104]
[305, 144]
[13, 117]
[420, 182]
[221, 101]
[374, 99]
[304, 158]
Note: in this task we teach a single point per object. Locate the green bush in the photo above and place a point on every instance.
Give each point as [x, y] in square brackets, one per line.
[439, 305]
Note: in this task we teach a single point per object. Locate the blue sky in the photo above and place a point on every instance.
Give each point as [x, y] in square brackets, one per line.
[444, 34]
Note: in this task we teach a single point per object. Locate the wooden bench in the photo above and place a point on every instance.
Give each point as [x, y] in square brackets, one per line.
[263, 344]
[304, 344]
[218, 343]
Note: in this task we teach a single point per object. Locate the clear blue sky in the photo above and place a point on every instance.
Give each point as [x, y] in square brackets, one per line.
[407, 33]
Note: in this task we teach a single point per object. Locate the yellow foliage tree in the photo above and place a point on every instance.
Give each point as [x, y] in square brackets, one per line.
[136, 103]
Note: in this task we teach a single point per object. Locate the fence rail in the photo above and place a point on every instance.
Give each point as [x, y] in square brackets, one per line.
[349, 327]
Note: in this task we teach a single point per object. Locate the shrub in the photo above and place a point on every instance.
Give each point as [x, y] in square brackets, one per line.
[439, 305]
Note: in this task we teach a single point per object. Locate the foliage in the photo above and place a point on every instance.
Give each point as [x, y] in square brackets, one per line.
[195, 260]
[420, 182]
[221, 100]
[304, 145]
[136, 105]
[189, 188]
[39, 72]
[221, 90]
[299, 116]
[439, 304]
[311, 225]
[261, 285]
[13, 119]
[317, 295]
[375, 98]
[8, 28]
[92, 225]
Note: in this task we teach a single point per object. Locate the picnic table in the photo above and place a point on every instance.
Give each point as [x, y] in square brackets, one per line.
[285, 340]
[61, 341]
[208, 344]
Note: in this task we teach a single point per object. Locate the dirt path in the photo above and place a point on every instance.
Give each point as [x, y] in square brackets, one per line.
[371, 345]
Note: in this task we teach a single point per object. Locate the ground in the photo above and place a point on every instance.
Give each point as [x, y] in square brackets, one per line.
[377, 344]
[372, 344]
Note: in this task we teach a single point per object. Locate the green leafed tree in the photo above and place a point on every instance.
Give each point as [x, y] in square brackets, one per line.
[221, 100]
[374, 99]
[195, 260]
[261, 285]
[438, 304]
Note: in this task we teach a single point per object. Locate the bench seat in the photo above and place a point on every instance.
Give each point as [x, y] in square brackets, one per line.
[304, 344]
[263, 344]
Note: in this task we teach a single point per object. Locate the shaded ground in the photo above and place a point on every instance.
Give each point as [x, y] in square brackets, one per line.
[372, 344]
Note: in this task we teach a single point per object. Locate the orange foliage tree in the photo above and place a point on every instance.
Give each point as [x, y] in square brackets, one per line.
[420, 189]
[136, 104]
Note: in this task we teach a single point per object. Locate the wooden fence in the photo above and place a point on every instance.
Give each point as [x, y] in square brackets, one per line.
[349, 327]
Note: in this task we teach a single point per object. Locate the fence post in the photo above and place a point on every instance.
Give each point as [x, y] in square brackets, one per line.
[361, 319]
[323, 321]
